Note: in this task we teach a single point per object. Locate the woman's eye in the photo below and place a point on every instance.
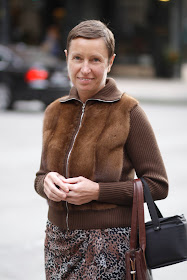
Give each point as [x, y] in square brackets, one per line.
[77, 57]
[96, 59]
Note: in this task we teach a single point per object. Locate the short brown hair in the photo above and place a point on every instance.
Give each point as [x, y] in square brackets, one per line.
[92, 29]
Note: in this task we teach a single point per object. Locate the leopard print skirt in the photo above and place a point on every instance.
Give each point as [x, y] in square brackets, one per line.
[95, 254]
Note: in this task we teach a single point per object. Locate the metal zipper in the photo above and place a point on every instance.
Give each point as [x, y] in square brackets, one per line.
[67, 162]
[68, 157]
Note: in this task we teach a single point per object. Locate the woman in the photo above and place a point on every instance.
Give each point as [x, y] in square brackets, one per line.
[94, 140]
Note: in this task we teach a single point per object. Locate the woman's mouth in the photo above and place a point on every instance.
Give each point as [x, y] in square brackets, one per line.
[85, 79]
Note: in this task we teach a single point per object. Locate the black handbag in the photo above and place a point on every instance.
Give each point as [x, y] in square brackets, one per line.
[166, 238]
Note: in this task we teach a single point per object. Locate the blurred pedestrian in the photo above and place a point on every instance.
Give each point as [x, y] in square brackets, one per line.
[51, 43]
[94, 140]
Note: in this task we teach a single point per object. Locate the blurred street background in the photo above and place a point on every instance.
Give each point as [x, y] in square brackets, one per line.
[151, 65]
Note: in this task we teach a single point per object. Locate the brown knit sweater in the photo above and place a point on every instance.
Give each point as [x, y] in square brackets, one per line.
[106, 140]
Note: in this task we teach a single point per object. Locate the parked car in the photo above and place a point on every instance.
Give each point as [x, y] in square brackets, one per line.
[28, 73]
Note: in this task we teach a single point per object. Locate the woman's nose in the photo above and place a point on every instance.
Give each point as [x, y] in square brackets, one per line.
[85, 69]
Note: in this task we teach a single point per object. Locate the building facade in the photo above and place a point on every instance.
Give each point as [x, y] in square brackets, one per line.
[151, 35]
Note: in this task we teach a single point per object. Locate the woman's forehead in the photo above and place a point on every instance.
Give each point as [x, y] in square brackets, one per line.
[83, 44]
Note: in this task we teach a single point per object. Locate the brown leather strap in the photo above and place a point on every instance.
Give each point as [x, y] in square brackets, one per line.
[134, 221]
[137, 221]
[141, 221]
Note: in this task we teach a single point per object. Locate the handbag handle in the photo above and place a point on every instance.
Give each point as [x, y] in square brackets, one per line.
[137, 221]
[154, 212]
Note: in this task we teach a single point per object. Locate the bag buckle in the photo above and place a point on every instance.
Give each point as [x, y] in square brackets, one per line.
[133, 269]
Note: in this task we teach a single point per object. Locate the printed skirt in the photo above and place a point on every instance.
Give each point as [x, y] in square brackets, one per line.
[95, 254]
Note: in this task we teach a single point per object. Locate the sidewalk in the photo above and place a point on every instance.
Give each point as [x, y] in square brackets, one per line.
[162, 91]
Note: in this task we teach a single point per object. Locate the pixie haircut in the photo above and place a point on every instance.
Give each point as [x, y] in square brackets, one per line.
[93, 29]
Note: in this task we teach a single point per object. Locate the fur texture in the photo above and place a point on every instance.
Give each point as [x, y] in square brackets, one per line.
[97, 148]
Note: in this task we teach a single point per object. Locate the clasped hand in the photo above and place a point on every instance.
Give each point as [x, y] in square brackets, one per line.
[77, 190]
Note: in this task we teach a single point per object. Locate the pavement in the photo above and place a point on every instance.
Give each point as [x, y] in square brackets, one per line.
[161, 91]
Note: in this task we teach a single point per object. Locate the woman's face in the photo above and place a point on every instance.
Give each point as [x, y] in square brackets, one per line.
[88, 65]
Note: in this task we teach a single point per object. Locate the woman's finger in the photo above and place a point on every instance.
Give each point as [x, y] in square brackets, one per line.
[74, 180]
[57, 180]
[52, 190]
[55, 194]
[54, 180]
[61, 185]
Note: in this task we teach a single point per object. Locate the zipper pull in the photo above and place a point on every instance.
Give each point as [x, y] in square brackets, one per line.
[83, 107]
[67, 216]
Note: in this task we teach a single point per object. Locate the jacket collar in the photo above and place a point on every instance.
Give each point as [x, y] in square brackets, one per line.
[109, 93]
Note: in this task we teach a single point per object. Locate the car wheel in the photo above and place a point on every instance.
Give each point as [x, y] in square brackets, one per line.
[5, 97]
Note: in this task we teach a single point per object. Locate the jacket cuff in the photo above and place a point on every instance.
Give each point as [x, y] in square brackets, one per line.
[120, 193]
[39, 185]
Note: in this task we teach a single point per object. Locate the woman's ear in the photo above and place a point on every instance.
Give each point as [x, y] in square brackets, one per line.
[66, 53]
[111, 61]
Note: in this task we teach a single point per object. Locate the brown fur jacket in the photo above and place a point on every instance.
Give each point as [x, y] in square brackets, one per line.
[105, 140]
